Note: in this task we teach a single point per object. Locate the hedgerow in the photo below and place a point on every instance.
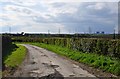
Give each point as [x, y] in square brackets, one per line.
[6, 43]
[102, 46]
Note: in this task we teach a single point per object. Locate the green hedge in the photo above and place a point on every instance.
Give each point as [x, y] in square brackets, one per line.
[6, 44]
[100, 46]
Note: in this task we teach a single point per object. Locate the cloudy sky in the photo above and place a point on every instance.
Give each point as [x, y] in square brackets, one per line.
[70, 16]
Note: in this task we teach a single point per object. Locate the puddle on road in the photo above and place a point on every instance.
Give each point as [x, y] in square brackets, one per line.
[33, 62]
[71, 75]
[49, 65]
[44, 55]
[55, 66]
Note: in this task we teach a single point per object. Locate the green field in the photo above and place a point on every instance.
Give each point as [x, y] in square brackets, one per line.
[16, 57]
[98, 61]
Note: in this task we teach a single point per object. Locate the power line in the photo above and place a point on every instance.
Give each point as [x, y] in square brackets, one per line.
[48, 31]
[59, 31]
[114, 34]
[118, 29]
[89, 29]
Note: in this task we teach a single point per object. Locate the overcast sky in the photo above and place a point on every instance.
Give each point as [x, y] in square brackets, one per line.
[70, 16]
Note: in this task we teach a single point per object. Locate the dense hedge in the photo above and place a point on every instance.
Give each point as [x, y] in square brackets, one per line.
[6, 44]
[99, 46]
[6, 48]
[108, 47]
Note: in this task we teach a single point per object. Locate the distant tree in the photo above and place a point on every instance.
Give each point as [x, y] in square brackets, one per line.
[22, 33]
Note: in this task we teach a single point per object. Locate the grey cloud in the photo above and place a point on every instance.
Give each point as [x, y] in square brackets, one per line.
[101, 19]
[85, 17]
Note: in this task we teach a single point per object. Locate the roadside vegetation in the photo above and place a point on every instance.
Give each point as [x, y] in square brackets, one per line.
[12, 55]
[13, 60]
[101, 46]
[105, 63]
[16, 57]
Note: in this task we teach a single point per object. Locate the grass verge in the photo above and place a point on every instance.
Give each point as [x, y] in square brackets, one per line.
[13, 60]
[16, 57]
[98, 61]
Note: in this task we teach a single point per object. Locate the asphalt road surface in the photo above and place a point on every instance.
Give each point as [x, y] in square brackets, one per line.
[41, 62]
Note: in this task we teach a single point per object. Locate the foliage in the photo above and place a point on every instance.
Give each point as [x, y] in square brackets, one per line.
[109, 47]
[6, 44]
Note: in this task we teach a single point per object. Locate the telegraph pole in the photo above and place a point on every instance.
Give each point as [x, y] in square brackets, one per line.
[59, 31]
[89, 30]
[48, 31]
[114, 34]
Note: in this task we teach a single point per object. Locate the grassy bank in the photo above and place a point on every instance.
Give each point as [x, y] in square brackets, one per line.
[16, 57]
[99, 61]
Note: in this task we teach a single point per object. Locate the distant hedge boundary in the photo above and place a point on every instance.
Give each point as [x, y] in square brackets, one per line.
[109, 47]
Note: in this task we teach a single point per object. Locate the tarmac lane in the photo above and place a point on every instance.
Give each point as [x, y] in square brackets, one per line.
[41, 62]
